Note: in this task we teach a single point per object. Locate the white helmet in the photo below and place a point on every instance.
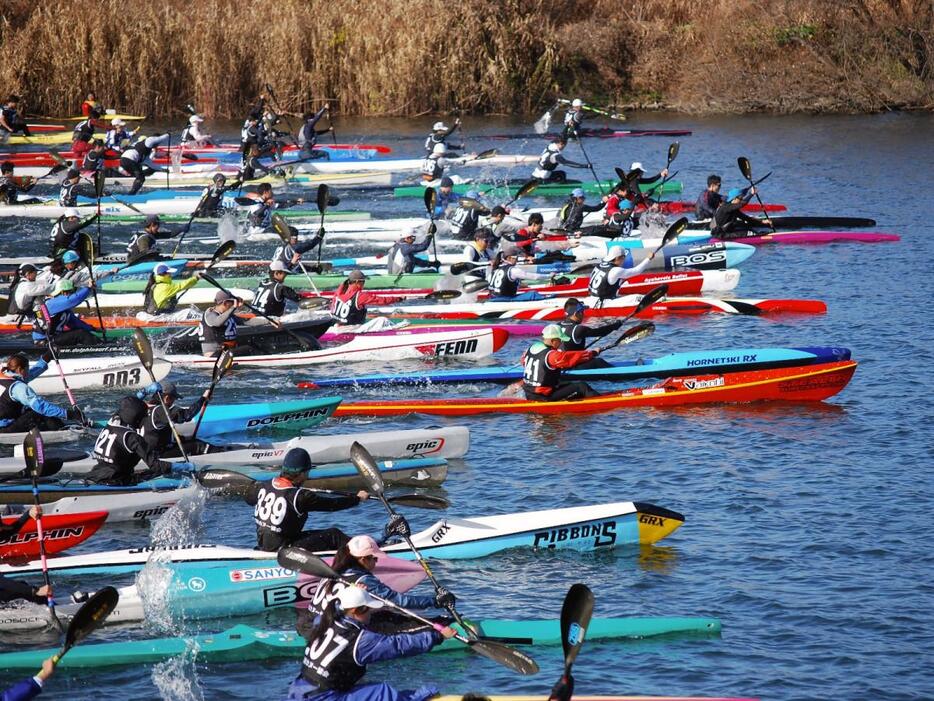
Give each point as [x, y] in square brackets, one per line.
[72, 212]
[118, 122]
[195, 119]
[577, 102]
[636, 165]
[439, 126]
[439, 150]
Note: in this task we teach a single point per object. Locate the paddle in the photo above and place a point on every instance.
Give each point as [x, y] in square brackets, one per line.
[672, 233]
[596, 110]
[466, 266]
[144, 351]
[745, 167]
[435, 295]
[673, 149]
[234, 482]
[281, 227]
[527, 188]
[221, 366]
[369, 470]
[634, 333]
[482, 156]
[575, 618]
[303, 343]
[35, 461]
[580, 143]
[44, 311]
[99, 191]
[279, 112]
[430, 197]
[322, 200]
[301, 560]
[191, 218]
[474, 286]
[88, 618]
[648, 299]
[86, 252]
[224, 250]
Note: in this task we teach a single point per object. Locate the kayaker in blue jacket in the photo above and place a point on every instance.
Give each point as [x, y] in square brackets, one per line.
[401, 257]
[308, 135]
[343, 644]
[445, 198]
[20, 407]
[32, 687]
[65, 327]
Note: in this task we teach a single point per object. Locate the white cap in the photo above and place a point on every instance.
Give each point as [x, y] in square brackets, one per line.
[117, 122]
[439, 126]
[439, 149]
[195, 119]
[363, 545]
[614, 252]
[636, 166]
[353, 597]
[72, 212]
[577, 102]
[277, 266]
[406, 233]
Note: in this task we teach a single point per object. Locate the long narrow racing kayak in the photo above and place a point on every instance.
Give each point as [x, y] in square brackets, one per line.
[242, 643]
[581, 528]
[672, 365]
[287, 415]
[102, 372]
[808, 383]
[133, 301]
[60, 532]
[544, 190]
[140, 507]
[811, 238]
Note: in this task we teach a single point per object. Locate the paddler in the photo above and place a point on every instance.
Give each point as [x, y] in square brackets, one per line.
[574, 118]
[64, 234]
[10, 120]
[143, 244]
[505, 276]
[440, 133]
[272, 293]
[30, 688]
[480, 251]
[709, 200]
[636, 185]
[25, 288]
[729, 217]
[341, 646]
[402, 257]
[578, 332]
[542, 365]
[218, 327]
[282, 506]
[72, 188]
[260, 214]
[349, 304]
[11, 186]
[290, 254]
[572, 213]
[547, 170]
[155, 430]
[134, 162]
[161, 293]
[308, 135]
[606, 278]
[21, 409]
[117, 137]
[532, 238]
[355, 562]
[433, 166]
[90, 104]
[212, 197]
[445, 197]
[11, 589]
[192, 134]
[502, 224]
[251, 164]
[83, 133]
[619, 209]
[119, 448]
[465, 220]
[64, 326]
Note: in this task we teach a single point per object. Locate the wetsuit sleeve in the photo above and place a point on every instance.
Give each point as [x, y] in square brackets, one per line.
[583, 331]
[587, 208]
[574, 164]
[168, 234]
[376, 586]
[13, 528]
[176, 287]
[148, 455]
[79, 225]
[306, 246]
[212, 318]
[252, 493]
[25, 395]
[415, 247]
[181, 416]
[375, 647]
[23, 691]
[519, 274]
[566, 360]
[13, 589]
[617, 274]
[309, 500]
[38, 367]
[289, 293]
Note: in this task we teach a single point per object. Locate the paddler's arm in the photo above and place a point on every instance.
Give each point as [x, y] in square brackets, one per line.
[565, 360]
[376, 647]
[26, 395]
[13, 528]
[374, 585]
[617, 274]
[519, 274]
[13, 590]
[582, 332]
[309, 500]
[181, 416]
[148, 455]
[32, 687]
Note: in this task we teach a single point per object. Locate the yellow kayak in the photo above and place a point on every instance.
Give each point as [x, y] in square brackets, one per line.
[46, 139]
[111, 115]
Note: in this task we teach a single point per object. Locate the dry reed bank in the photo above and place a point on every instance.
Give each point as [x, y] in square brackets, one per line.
[403, 57]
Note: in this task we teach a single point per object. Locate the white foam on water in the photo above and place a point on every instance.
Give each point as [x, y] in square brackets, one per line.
[181, 524]
[177, 677]
[228, 229]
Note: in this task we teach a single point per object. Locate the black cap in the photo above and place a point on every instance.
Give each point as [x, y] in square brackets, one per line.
[497, 211]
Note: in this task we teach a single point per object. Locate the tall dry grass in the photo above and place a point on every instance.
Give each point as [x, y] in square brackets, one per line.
[381, 57]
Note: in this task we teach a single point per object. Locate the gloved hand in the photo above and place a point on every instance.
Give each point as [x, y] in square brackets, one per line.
[397, 526]
[153, 387]
[73, 413]
[184, 467]
[47, 356]
[563, 689]
[445, 599]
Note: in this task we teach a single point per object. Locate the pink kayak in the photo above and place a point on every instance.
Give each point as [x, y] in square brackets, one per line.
[817, 237]
[345, 334]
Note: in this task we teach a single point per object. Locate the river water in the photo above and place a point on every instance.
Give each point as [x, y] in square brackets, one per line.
[807, 525]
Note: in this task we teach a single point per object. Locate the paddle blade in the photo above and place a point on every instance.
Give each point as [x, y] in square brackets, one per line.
[86, 249]
[224, 250]
[542, 123]
[651, 298]
[314, 302]
[483, 155]
[638, 332]
[507, 656]
[621, 174]
[300, 560]
[443, 294]
[527, 188]
[673, 151]
[367, 468]
[143, 348]
[34, 453]
[280, 226]
[470, 203]
[462, 267]
[228, 481]
[674, 231]
[99, 183]
[323, 197]
[430, 197]
[90, 617]
[745, 167]
[420, 501]
[57, 157]
[222, 365]
[474, 285]
[575, 617]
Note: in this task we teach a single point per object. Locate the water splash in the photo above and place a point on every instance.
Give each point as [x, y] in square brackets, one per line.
[228, 229]
[177, 678]
[181, 524]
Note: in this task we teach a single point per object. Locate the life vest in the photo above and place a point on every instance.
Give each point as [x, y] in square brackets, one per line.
[501, 284]
[536, 371]
[599, 285]
[329, 661]
[432, 169]
[67, 197]
[218, 335]
[84, 131]
[111, 448]
[275, 513]
[568, 327]
[10, 409]
[345, 308]
[464, 222]
[142, 242]
[267, 298]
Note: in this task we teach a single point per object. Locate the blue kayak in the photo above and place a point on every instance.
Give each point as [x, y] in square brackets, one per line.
[707, 256]
[146, 267]
[672, 365]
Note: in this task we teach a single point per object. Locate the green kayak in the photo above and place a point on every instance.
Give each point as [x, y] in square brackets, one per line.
[299, 281]
[553, 190]
[291, 214]
[243, 642]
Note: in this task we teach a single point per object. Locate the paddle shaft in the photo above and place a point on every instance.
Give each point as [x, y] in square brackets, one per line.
[50, 599]
[89, 247]
[48, 337]
[215, 378]
[188, 223]
[144, 351]
[580, 143]
[747, 173]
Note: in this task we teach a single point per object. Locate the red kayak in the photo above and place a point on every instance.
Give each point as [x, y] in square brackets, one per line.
[809, 383]
[688, 207]
[61, 531]
[235, 148]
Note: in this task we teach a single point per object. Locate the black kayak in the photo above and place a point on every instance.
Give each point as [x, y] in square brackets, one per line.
[265, 338]
[780, 223]
[601, 133]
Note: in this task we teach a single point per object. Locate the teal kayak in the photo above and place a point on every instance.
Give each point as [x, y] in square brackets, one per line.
[241, 642]
[544, 190]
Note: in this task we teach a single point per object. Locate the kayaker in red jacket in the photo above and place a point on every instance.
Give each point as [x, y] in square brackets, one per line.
[542, 365]
[349, 305]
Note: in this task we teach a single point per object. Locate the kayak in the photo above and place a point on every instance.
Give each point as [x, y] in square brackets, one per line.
[140, 507]
[597, 132]
[802, 222]
[242, 643]
[396, 345]
[438, 442]
[65, 435]
[60, 532]
[200, 297]
[287, 148]
[402, 165]
[417, 472]
[671, 365]
[553, 308]
[807, 383]
[283, 415]
[581, 528]
[543, 190]
[815, 237]
[102, 372]
[324, 281]
[290, 214]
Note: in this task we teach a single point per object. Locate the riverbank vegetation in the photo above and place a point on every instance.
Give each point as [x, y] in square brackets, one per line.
[405, 57]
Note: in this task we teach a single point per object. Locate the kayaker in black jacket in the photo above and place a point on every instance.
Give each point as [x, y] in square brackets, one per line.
[11, 186]
[709, 200]
[572, 213]
[272, 293]
[578, 332]
[155, 430]
[143, 244]
[64, 234]
[308, 135]
[282, 506]
[11, 589]
[213, 196]
[729, 217]
[542, 364]
[641, 186]
[119, 448]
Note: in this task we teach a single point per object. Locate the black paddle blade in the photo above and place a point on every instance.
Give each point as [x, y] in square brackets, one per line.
[143, 348]
[300, 560]
[224, 250]
[462, 267]
[99, 183]
[57, 157]
[575, 617]
[280, 226]
[90, 617]
[430, 197]
[483, 155]
[527, 188]
[222, 365]
[443, 294]
[621, 174]
[323, 197]
[367, 468]
[314, 302]
[674, 231]
[473, 285]
[228, 481]
[673, 151]
[86, 249]
[507, 656]
[419, 501]
[651, 298]
[470, 203]
[745, 167]
[637, 332]
[34, 453]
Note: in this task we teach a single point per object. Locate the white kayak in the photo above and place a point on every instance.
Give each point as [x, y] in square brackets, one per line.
[111, 303]
[446, 442]
[102, 372]
[69, 434]
[391, 345]
[401, 165]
